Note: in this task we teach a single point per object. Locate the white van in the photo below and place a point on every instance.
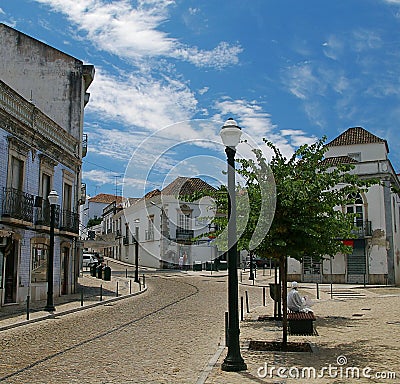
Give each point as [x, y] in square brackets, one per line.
[88, 259]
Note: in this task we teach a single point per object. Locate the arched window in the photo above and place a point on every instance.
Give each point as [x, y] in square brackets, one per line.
[357, 207]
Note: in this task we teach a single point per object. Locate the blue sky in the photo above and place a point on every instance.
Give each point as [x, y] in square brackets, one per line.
[169, 73]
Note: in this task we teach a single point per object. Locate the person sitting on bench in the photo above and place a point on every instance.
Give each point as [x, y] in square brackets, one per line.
[295, 302]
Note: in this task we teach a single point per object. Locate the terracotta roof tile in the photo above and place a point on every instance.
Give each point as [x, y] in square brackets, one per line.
[333, 161]
[182, 186]
[106, 198]
[356, 135]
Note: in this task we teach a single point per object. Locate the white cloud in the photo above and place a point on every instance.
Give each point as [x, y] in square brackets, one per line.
[99, 177]
[204, 90]
[303, 82]
[141, 101]
[333, 47]
[119, 28]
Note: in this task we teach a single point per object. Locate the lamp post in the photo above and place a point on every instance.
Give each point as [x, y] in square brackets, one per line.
[162, 228]
[136, 253]
[251, 276]
[53, 199]
[230, 134]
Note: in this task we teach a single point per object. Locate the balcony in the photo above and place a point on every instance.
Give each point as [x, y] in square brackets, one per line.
[184, 234]
[362, 229]
[69, 221]
[17, 205]
[84, 144]
[42, 213]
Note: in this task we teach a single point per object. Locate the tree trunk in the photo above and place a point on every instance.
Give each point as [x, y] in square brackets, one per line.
[284, 299]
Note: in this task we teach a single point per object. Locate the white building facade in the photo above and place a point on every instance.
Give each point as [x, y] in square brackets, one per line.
[168, 228]
[42, 99]
[376, 247]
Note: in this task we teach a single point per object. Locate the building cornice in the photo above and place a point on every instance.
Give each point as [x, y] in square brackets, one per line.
[35, 129]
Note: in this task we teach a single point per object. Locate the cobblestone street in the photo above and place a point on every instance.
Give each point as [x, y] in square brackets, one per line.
[165, 335]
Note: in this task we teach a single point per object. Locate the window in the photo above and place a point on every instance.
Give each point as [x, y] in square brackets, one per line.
[357, 207]
[17, 174]
[17, 155]
[355, 156]
[150, 228]
[39, 262]
[67, 197]
[184, 216]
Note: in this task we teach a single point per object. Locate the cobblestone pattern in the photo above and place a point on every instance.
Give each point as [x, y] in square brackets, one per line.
[166, 335]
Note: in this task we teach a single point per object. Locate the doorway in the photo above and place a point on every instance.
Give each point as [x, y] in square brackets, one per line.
[10, 271]
[64, 270]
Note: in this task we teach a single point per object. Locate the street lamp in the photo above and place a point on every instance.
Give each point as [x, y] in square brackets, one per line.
[251, 276]
[53, 199]
[162, 228]
[136, 253]
[230, 135]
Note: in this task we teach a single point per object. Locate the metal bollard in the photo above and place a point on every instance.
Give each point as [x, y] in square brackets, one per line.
[241, 309]
[140, 286]
[317, 291]
[101, 292]
[247, 302]
[126, 272]
[116, 293]
[264, 296]
[130, 286]
[226, 329]
[144, 281]
[82, 297]
[27, 306]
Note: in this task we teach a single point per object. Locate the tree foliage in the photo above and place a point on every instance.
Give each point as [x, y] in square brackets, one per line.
[308, 219]
[94, 221]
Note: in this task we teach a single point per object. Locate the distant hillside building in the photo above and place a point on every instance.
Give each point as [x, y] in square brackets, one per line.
[43, 92]
[376, 247]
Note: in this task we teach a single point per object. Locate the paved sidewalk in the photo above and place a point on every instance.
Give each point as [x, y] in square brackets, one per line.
[91, 292]
[355, 324]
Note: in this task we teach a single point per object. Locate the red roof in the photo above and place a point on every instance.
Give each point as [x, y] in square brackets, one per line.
[106, 198]
[356, 135]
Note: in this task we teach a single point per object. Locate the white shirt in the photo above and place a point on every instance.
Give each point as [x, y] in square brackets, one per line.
[294, 302]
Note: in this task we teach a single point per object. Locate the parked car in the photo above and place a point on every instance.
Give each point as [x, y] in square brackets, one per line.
[88, 259]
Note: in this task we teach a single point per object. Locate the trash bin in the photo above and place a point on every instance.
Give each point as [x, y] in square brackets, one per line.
[275, 292]
[107, 273]
[223, 265]
[210, 266]
[197, 266]
[99, 271]
[93, 270]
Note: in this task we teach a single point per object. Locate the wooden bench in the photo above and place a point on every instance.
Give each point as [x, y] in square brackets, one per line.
[301, 323]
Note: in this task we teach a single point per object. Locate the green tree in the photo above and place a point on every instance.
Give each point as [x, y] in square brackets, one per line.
[94, 221]
[307, 218]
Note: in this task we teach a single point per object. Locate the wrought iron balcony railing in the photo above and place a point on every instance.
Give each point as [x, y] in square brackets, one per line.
[42, 213]
[17, 204]
[69, 221]
[362, 229]
[184, 234]
[84, 144]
